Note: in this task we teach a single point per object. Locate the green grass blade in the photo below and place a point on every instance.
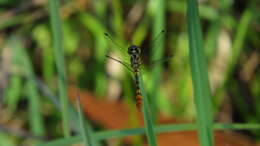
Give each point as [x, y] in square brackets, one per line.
[117, 17]
[34, 107]
[157, 51]
[136, 131]
[201, 87]
[41, 35]
[62, 142]
[60, 63]
[82, 127]
[207, 12]
[158, 129]
[74, 119]
[86, 134]
[21, 59]
[236, 126]
[148, 121]
[97, 30]
[240, 36]
[121, 133]
[13, 92]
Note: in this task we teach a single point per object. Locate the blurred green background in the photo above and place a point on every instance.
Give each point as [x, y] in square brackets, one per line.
[28, 74]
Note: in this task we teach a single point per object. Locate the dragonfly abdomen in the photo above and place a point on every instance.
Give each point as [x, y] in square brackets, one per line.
[135, 60]
[138, 92]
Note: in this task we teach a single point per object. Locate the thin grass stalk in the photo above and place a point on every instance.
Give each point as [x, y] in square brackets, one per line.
[97, 30]
[23, 61]
[86, 134]
[148, 120]
[60, 63]
[36, 120]
[82, 127]
[238, 43]
[158, 129]
[200, 81]
[136, 131]
[157, 51]
[12, 93]
[236, 126]
[73, 114]
[240, 36]
[117, 18]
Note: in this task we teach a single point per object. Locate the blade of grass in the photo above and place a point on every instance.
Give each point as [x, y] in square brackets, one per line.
[148, 121]
[237, 47]
[60, 63]
[73, 113]
[117, 22]
[206, 11]
[135, 131]
[82, 127]
[41, 34]
[158, 129]
[86, 133]
[97, 30]
[13, 92]
[121, 133]
[171, 128]
[236, 126]
[240, 35]
[201, 87]
[62, 142]
[157, 51]
[21, 59]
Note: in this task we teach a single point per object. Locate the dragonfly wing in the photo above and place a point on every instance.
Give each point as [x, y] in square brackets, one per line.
[117, 52]
[125, 64]
[154, 63]
[115, 46]
[162, 60]
[155, 45]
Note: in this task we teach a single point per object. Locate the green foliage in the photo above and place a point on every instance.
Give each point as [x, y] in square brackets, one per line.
[202, 95]
[86, 133]
[149, 128]
[13, 93]
[60, 62]
[74, 31]
[22, 62]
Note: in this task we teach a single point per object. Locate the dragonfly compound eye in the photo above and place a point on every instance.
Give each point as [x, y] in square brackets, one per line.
[133, 50]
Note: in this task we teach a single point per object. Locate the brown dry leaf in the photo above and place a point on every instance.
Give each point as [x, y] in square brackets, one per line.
[113, 115]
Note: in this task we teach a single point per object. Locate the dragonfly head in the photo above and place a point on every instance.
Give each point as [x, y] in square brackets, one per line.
[133, 50]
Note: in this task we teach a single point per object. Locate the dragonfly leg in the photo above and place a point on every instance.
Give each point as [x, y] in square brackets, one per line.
[121, 62]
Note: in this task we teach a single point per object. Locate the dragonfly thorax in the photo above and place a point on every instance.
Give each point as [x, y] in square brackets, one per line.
[134, 52]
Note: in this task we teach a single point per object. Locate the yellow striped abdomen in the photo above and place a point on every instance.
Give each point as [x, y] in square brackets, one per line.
[138, 99]
[138, 91]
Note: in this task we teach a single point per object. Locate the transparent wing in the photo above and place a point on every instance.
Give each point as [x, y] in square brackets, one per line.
[154, 47]
[151, 55]
[162, 60]
[157, 47]
[115, 44]
[116, 52]
[147, 68]
[125, 64]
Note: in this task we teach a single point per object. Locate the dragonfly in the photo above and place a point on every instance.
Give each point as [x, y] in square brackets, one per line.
[135, 63]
